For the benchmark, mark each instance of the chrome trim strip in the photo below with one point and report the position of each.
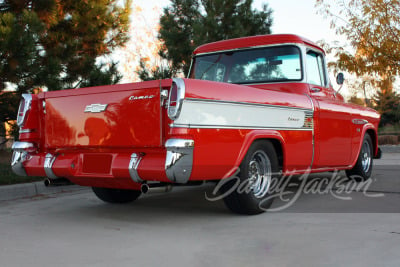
(163, 104)
(202, 126)
(313, 132)
(173, 112)
(315, 90)
(27, 106)
(163, 97)
(133, 167)
(272, 82)
(299, 45)
(48, 165)
(179, 159)
(179, 143)
(244, 103)
(359, 121)
(190, 67)
(44, 106)
(25, 131)
(20, 146)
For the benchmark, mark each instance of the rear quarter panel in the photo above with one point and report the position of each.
(220, 144)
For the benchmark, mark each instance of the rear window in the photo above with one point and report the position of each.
(262, 65)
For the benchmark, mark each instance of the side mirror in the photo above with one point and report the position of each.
(340, 78)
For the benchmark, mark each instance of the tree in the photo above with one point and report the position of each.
(373, 29)
(8, 102)
(355, 100)
(387, 103)
(55, 44)
(186, 24)
(161, 71)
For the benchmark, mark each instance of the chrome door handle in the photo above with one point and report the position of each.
(315, 90)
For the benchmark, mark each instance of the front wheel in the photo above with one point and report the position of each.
(363, 168)
(113, 195)
(258, 168)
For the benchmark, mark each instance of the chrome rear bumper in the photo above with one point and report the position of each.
(20, 155)
(178, 163)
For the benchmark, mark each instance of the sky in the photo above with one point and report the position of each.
(289, 16)
(299, 17)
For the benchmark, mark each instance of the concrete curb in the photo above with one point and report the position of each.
(17, 191)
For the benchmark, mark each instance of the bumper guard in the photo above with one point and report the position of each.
(19, 156)
(179, 160)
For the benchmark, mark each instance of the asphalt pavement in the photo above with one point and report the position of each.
(342, 226)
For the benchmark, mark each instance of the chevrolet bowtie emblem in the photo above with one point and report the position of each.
(96, 108)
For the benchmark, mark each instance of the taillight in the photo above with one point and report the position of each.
(24, 107)
(173, 95)
(176, 96)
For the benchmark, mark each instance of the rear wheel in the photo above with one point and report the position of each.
(113, 195)
(259, 167)
(363, 168)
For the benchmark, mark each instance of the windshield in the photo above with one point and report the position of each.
(261, 65)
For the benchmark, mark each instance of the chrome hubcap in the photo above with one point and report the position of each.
(366, 156)
(260, 174)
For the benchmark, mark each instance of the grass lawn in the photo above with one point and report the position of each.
(7, 176)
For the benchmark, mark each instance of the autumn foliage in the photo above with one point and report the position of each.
(372, 28)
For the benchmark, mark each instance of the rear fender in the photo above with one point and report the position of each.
(250, 138)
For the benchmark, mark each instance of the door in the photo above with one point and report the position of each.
(332, 119)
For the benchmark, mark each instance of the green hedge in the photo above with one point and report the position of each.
(8, 177)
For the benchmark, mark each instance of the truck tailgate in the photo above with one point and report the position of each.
(124, 116)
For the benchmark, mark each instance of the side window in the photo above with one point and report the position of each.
(315, 69)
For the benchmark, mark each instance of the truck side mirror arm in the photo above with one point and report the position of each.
(339, 81)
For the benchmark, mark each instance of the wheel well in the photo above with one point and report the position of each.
(278, 149)
(374, 138)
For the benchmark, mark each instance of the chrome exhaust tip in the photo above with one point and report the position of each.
(47, 182)
(56, 182)
(155, 188)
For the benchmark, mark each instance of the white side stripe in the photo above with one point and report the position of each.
(214, 114)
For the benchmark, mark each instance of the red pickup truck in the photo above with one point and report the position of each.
(259, 107)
